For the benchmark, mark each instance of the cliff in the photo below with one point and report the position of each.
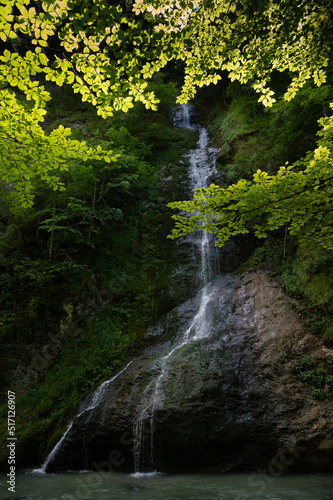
(230, 402)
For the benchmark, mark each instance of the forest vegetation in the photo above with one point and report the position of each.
(87, 94)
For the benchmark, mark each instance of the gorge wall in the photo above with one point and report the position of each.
(232, 402)
(217, 389)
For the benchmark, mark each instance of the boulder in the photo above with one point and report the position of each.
(230, 401)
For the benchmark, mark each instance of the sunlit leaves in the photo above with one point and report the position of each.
(246, 39)
(27, 154)
(107, 53)
(96, 38)
(298, 197)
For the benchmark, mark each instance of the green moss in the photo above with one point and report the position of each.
(328, 334)
(314, 269)
(319, 394)
(318, 375)
(249, 265)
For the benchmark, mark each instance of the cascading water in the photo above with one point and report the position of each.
(202, 166)
(199, 325)
(89, 404)
(203, 393)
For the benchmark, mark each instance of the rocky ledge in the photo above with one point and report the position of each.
(229, 402)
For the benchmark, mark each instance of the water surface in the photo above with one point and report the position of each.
(154, 486)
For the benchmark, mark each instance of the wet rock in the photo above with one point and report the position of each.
(230, 402)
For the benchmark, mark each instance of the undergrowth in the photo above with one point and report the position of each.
(100, 247)
(318, 375)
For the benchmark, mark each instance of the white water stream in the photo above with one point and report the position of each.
(202, 165)
(89, 404)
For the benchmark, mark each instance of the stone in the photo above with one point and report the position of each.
(230, 402)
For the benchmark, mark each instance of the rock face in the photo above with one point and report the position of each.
(230, 402)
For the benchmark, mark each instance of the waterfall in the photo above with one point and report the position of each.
(202, 166)
(91, 402)
(197, 327)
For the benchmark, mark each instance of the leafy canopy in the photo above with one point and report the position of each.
(299, 196)
(108, 52)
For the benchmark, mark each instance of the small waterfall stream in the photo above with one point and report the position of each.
(88, 404)
(202, 166)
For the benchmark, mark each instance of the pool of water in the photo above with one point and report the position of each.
(156, 486)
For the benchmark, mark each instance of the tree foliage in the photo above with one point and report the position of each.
(298, 197)
(27, 153)
(108, 52)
